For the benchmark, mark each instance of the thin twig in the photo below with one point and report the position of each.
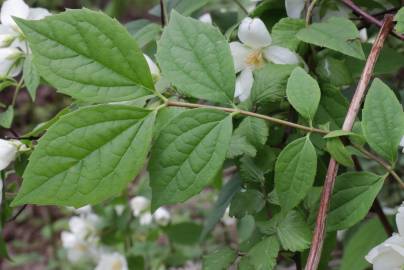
(163, 13)
(247, 113)
(367, 17)
(319, 233)
(310, 11)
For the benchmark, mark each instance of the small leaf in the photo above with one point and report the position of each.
(262, 256)
(334, 71)
(246, 202)
(303, 93)
(399, 18)
(89, 155)
(284, 33)
(353, 195)
(6, 117)
(270, 83)
(339, 152)
(219, 259)
(196, 58)
(30, 76)
(188, 154)
(383, 120)
(144, 31)
(339, 34)
(89, 56)
(340, 133)
(223, 201)
(184, 233)
(295, 171)
(367, 236)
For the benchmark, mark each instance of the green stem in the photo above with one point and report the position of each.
(240, 5)
(310, 11)
(17, 90)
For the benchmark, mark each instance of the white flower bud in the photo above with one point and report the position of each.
(145, 219)
(8, 152)
(8, 62)
(112, 261)
(139, 204)
(162, 216)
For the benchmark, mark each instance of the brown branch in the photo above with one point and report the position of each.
(319, 232)
(368, 17)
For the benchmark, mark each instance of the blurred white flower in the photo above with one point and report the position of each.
(363, 35)
(85, 210)
(154, 70)
(112, 261)
(139, 204)
(146, 219)
(402, 143)
(77, 248)
(206, 18)
(85, 227)
(119, 209)
(227, 219)
(294, 8)
(9, 150)
(162, 216)
(9, 62)
(1, 190)
(389, 255)
(253, 51)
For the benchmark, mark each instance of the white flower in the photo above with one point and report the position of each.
(85, 227)
(119, 208)
(389, 255)
(227, 219)
(85, 210)
(363, 35)
(9, 58)
(1, 190)
(154, 70)
(206, 18)
(253, 52)
(145, 219)
(162, 216)
(112, 261)
(294, 8)
(8, 151)
(77, 248)
(139, 204)
(402, 143)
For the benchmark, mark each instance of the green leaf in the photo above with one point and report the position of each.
(339, 152)
(334, 71)
(353, 195)
(184, 7)
(144, 31)
(270, 83)
(246, 202)
(249, 170)
(239, 146)
(262, 256)
(89, 56)
(340, 133)
(399, 18)
(303, 93)
(293, 232)
(333, 107)
(284, 33)
(188, 154)
(339, 34)
(89, 155)
(383, 120)
(295, 171)
(184, 233)
(370, 234)
(30, 76)
(196, 58)
(6, 117)
(219, 259)
(219, 208)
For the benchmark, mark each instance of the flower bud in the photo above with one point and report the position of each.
(162, 216)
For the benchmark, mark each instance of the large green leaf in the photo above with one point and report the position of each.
(383, 120)
(262, 256)
(89, 56)
(87, 156)
(295, 171)
(188, 154)
(196, 58)
(353, 195)
(339, 34)
(284, 33)
(369, 235)
(270, 83)
(303, 93)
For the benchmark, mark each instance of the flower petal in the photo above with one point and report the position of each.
(294, 8)
(400, 220)
(239, 53)
(206, 18)
(8, 65)
(280, 55)
(244, 84)
(13, 8)
(38, 13)
(254, 33)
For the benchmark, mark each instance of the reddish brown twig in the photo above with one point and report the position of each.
(319, 232)
(368, 17)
